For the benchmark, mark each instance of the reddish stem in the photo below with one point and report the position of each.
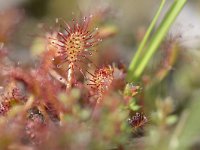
(70, 77)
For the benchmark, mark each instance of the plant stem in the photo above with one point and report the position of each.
(138, 53)
(157, 38)
(70, 77)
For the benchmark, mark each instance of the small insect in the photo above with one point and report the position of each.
(138, 120)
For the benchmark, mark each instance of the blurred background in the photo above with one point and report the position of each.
(21, 20)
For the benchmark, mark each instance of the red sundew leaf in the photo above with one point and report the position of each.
(100, 82)
(20, 74)
(75, 42)
(10, 97)
(73, 46)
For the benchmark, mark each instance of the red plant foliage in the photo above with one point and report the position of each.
(74, 45)
(101, 81)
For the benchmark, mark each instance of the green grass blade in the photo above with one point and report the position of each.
(157, 38)
(138, 53)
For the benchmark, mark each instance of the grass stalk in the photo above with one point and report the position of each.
(157, 39)
(138, 53)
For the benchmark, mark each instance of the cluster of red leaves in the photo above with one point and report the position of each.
(101, 81)
(44, 113)
(9, 98)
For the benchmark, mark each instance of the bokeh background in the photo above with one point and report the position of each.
(130, 18)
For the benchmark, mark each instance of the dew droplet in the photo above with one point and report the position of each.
(84, 19)
(56, 20)
(58, 66)
(1, 45)
(99, 40)
(89, 65)
(91, 16)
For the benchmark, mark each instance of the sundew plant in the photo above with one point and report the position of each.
(67, 80)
